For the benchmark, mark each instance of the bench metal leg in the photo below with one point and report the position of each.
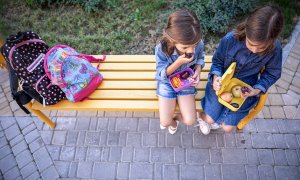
(253, 112)
(41, 115)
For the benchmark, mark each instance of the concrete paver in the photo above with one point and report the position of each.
(297, 116)
(277, 112)
(275, 99)
(264, 149)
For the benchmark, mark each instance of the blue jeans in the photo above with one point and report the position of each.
(165, 90)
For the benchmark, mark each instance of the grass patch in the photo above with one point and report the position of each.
(110, 31)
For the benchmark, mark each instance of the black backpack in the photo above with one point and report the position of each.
(24, 54)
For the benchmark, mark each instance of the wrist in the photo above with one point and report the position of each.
(197, 68)
(179, 62)
(257, 92)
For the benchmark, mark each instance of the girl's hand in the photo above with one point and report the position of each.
(252, 92)
(196, 75)
(183, 60)
(217, 83)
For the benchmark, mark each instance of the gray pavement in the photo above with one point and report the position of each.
(130, 145)
(135, 148)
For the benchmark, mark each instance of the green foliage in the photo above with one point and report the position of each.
(216, 15)
(88, 5)
(136, 15)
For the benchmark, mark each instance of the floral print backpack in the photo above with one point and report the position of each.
(72, 72)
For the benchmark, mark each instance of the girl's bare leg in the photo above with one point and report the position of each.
(228, 128)
(187, 107)
(166, 111)
(206, 118)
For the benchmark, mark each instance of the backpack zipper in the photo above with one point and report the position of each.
(36, 88)
(36, 62)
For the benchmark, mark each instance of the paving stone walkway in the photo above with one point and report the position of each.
(135, 148)
(126, 145)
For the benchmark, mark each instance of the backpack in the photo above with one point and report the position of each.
(24, 54)
(72, 72)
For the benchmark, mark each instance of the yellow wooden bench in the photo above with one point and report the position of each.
(129, 85)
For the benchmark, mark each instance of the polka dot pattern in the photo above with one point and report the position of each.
(35, 82)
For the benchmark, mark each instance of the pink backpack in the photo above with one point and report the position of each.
(72, 72)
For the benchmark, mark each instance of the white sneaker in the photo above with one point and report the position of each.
(215, 126)
(173, 130)
(162, 127)
(204, 127)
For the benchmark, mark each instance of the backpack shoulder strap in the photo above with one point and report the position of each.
(91, 58)
(19, 96)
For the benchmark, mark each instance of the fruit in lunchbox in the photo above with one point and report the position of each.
(245, 89)
(189, 55)
(235, 105)
(226, 96)
(236, 91)
(176, 82)
(185, 75)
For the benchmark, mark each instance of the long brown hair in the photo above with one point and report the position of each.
(263, 25)
(183, 27)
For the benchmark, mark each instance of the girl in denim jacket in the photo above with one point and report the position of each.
(252, 45)
(182, 35)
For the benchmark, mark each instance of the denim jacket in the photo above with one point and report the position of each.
(163, 61)
(248, 64)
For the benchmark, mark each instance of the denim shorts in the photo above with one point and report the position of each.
(220, 113)
(165, 90)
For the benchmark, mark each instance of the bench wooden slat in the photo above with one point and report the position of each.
(135, 67)
(130, 95)
(107, 105)
(136, 58)
(129, 85)
(128, 58)
(123, 75)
